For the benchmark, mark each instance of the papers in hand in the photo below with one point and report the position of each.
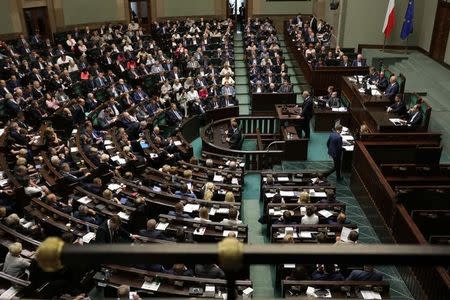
(84, 200)
(397, 121)
(370, 295)
(88, 237)
(200, 231)
(345, 232)
(191, 207)
(325, 213)
(151, 286)
(161, 226)
(123, 215)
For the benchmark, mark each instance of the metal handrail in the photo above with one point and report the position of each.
(274, 143)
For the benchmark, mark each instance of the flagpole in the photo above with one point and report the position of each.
(384, 43)
(406, 49)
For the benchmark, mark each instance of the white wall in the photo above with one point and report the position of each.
(426, 13)
(263, 7)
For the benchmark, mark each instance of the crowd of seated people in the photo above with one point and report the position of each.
(204, 55)
(268, 72)
(75, 161)
(313, 42)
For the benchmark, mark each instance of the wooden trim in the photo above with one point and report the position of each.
(91, 25)
(208, 17)
(402, 47)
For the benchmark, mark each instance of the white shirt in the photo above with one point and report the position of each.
(314, 219)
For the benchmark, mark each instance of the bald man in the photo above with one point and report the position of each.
(151, 231)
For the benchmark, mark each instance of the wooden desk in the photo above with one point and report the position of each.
(295, 147)
(262, 103)
(288, 114)
(297, 288)
(325, 119)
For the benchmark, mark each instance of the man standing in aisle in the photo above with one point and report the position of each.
(307, 113)
(334, 145)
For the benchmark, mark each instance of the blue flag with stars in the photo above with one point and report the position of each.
(407, 27)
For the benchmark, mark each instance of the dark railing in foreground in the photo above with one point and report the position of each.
(231, 255)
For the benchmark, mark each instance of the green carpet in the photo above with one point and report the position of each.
(249, 145)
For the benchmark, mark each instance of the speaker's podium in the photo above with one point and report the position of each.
(295, 147)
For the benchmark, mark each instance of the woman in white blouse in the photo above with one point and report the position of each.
(310, 218)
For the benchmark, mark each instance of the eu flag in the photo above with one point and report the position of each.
(407, 27)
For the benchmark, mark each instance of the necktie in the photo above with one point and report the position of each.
(177, 114)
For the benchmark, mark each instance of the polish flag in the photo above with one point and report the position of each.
(389, 20)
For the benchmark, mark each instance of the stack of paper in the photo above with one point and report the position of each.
(325, 213)
(88, 237)
(283, 178)
(218, 178)
(84, 200)
(123, 215)
(191, 207)
(151, 286)
(210, 290)
(287, 193)
(370, 295)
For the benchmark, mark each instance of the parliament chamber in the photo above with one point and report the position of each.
(214, 149)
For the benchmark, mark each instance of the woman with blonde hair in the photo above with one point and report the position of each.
(15, 265)
(203, 215)
(229, 197)
(208, 195)
(303, 198)
(107, 194)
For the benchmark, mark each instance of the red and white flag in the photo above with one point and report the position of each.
(389, 20)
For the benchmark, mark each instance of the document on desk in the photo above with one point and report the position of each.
(212, 211)
(223, 210)
(84, 200)
(113, 186)
(289, 266)
(283, 178)
(73, 149)
(107, 142)
(88, 237)
(151, 286)
(123, 215)
(347, 137)
(270, 195)
(318, 194)
(162, 226)
(218, 178)
(345, 232)
(287, 193)
(191, 207)
(108, 147)
(177, 143)
(370, 295)
(325, 213)
(200, 231)
(306, 234)
(235, 181)
(349, 148)
(273, 212)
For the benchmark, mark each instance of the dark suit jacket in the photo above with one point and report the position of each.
(153, 234)
(235, 139)
(415, 120)
(103, 235)
(307, 108)
(382, 83)
(355, 63)
(334, 145)
(365, 276)
(391, 91)
(399, 108)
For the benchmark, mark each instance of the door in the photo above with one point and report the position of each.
(140, 11)
(440, 31)
(36, 19)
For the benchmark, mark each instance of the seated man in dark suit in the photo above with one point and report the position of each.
(174, 115)
(392, 88)
(367, 274)
(151, 231)
(327, 272)
(86, 214)
(111, 231)
(209, 271)
(235, 136)
(398, 107)
(414, 116)
(359, 62)
(73, 176)
(179, 211)
(381, 82)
